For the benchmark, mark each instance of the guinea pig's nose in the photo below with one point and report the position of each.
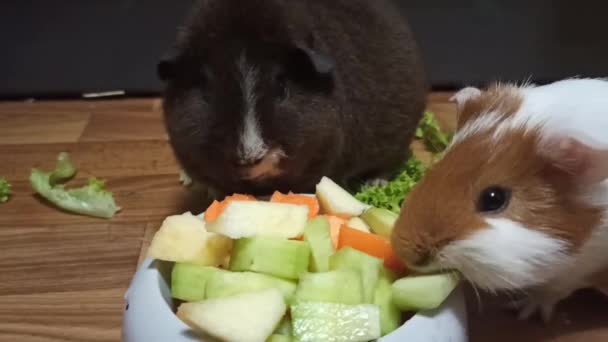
(249, 162)
(422, 259)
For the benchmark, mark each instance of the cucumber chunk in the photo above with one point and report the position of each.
(380, 220)
(423, 292)
(331, 322)
(390, 315)
(368, 267)
(340, 286)
(273, 256)
(225, 284)
(279, 338)
(189, 281)
(318, 237)
(284, 327)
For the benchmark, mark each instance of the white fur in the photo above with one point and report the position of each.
(576, 108)
(506, 256)
(252, 146)
(574, 276)
(482, 124)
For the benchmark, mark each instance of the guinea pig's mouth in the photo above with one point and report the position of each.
(265, 168)
(431, 267)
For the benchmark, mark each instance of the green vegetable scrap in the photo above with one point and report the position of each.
(92, 199)
(5, 190)
(392, 194)
(429, 131)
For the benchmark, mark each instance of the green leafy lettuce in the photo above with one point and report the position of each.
(5, 190)
(392, 194)
(92, 199)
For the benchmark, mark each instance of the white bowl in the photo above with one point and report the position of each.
(149, 315)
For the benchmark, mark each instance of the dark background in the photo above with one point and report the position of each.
(63, 48)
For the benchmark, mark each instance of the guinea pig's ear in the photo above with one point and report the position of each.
(322, 63)
(465, 94)
(310, 68)
(306, 62)
(461, 98)
(588, 165)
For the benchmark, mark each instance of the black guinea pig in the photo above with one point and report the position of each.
(265, 95)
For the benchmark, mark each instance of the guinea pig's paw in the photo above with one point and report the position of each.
(542, 301)
(545, 306)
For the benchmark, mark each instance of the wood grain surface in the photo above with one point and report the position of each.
(63, 276)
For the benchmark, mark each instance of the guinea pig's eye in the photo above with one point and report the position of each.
(493, 199)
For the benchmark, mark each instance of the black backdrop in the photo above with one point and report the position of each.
(69, 47)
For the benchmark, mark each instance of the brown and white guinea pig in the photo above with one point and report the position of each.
(265, 95)
(519, 201)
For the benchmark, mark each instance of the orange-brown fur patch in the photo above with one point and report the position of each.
(442, 207)
(501, 99)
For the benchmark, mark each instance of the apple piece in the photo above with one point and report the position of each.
(225, 284)
(243, 219)
(341, 286)
(359, 224)
(318, 236)
(423, 292)
(380, 221)
(189, 281)
(183, 238)
(248, 317)
(273, 256)
(334, 200)
(318, 321)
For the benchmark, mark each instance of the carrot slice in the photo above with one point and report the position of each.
(213, 211)
(371, 244)
(216, 208)
(240, 197)
(392, 262)
(291, 198)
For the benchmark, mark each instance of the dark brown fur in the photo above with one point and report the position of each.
(357, 123)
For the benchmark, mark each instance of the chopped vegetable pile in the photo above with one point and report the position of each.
(92, 199)
(295, 268)
(391, 195)
(5, 190)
